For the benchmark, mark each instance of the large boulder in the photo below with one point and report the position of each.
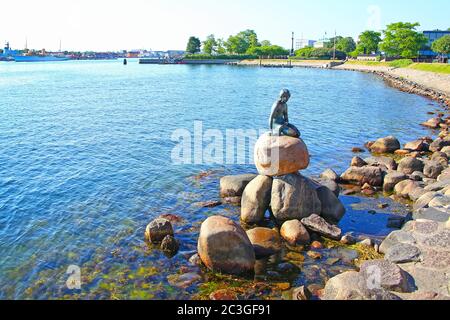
(294, 197)
(392, 179)
(277, 156)
(391, 277)
(360, 176)
(256, 199)
(332, 208)
(295, 233)
(223, 246)
(333, 186)
(387, 162)
(351, 285)
(158, 229)
(405, 188)
(432, 123)
(318, 224)
(234, 186)
(265, 241)
(385, 145)
(409, 165)
(433, 169)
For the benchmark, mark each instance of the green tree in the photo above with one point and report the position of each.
(242, 42)
(442, 45)
(268, 51)
(346, 45)
(265, 43)
(193, 45)
(210, 45)
(368, 42)
(330, 43)
(221, 46)
(402, 40)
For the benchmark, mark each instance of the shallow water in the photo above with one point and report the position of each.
(85, 162)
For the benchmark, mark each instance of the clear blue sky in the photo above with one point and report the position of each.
(162, 24)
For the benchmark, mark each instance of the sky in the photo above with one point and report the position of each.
(111, 25)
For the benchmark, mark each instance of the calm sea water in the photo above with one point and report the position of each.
(85, 159)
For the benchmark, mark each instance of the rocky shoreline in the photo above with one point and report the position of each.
(403, 84)
(411, 263)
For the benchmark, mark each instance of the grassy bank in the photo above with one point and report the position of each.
(405, 63)
(432, 67)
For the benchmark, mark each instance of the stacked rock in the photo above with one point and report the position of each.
(299, 205)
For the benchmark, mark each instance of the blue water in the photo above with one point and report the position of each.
(85, 152)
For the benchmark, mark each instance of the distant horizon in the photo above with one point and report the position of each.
(111, 26)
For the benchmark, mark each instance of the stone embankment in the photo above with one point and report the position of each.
(428, 84)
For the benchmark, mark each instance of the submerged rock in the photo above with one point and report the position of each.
(294, 233)
(170, 245)
(233, 186)
(223, 246)
(158, 229)
(265, 241)
(318, 224)
(256, 199)
(294, 197)
(385, 145)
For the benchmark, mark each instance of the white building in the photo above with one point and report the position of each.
(320, 44)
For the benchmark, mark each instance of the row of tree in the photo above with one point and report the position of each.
(399, 39)
(245, 42)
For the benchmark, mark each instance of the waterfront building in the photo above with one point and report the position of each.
(432, 36)
(303, 43)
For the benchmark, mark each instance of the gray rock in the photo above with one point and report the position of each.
(437, 186)
(351, 286)
(433, 169)
(385, 145)
(392, 278)
(416, 193)
(265, 241)
(440, 202)
(439, 144)
(424, 200)
(256, 199)
(360, 176)
(417, 176)
(333, 186)
(403, 253)
(392, 179)
(395, 222)
(330, 174)
(224, 246)
(431, 214)
(195, 260)
(332, 208)
(233, 186)
(158, 229)
(318, 224)
(409, 165)
(294, 197)
(394, 238)
(389, 163)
